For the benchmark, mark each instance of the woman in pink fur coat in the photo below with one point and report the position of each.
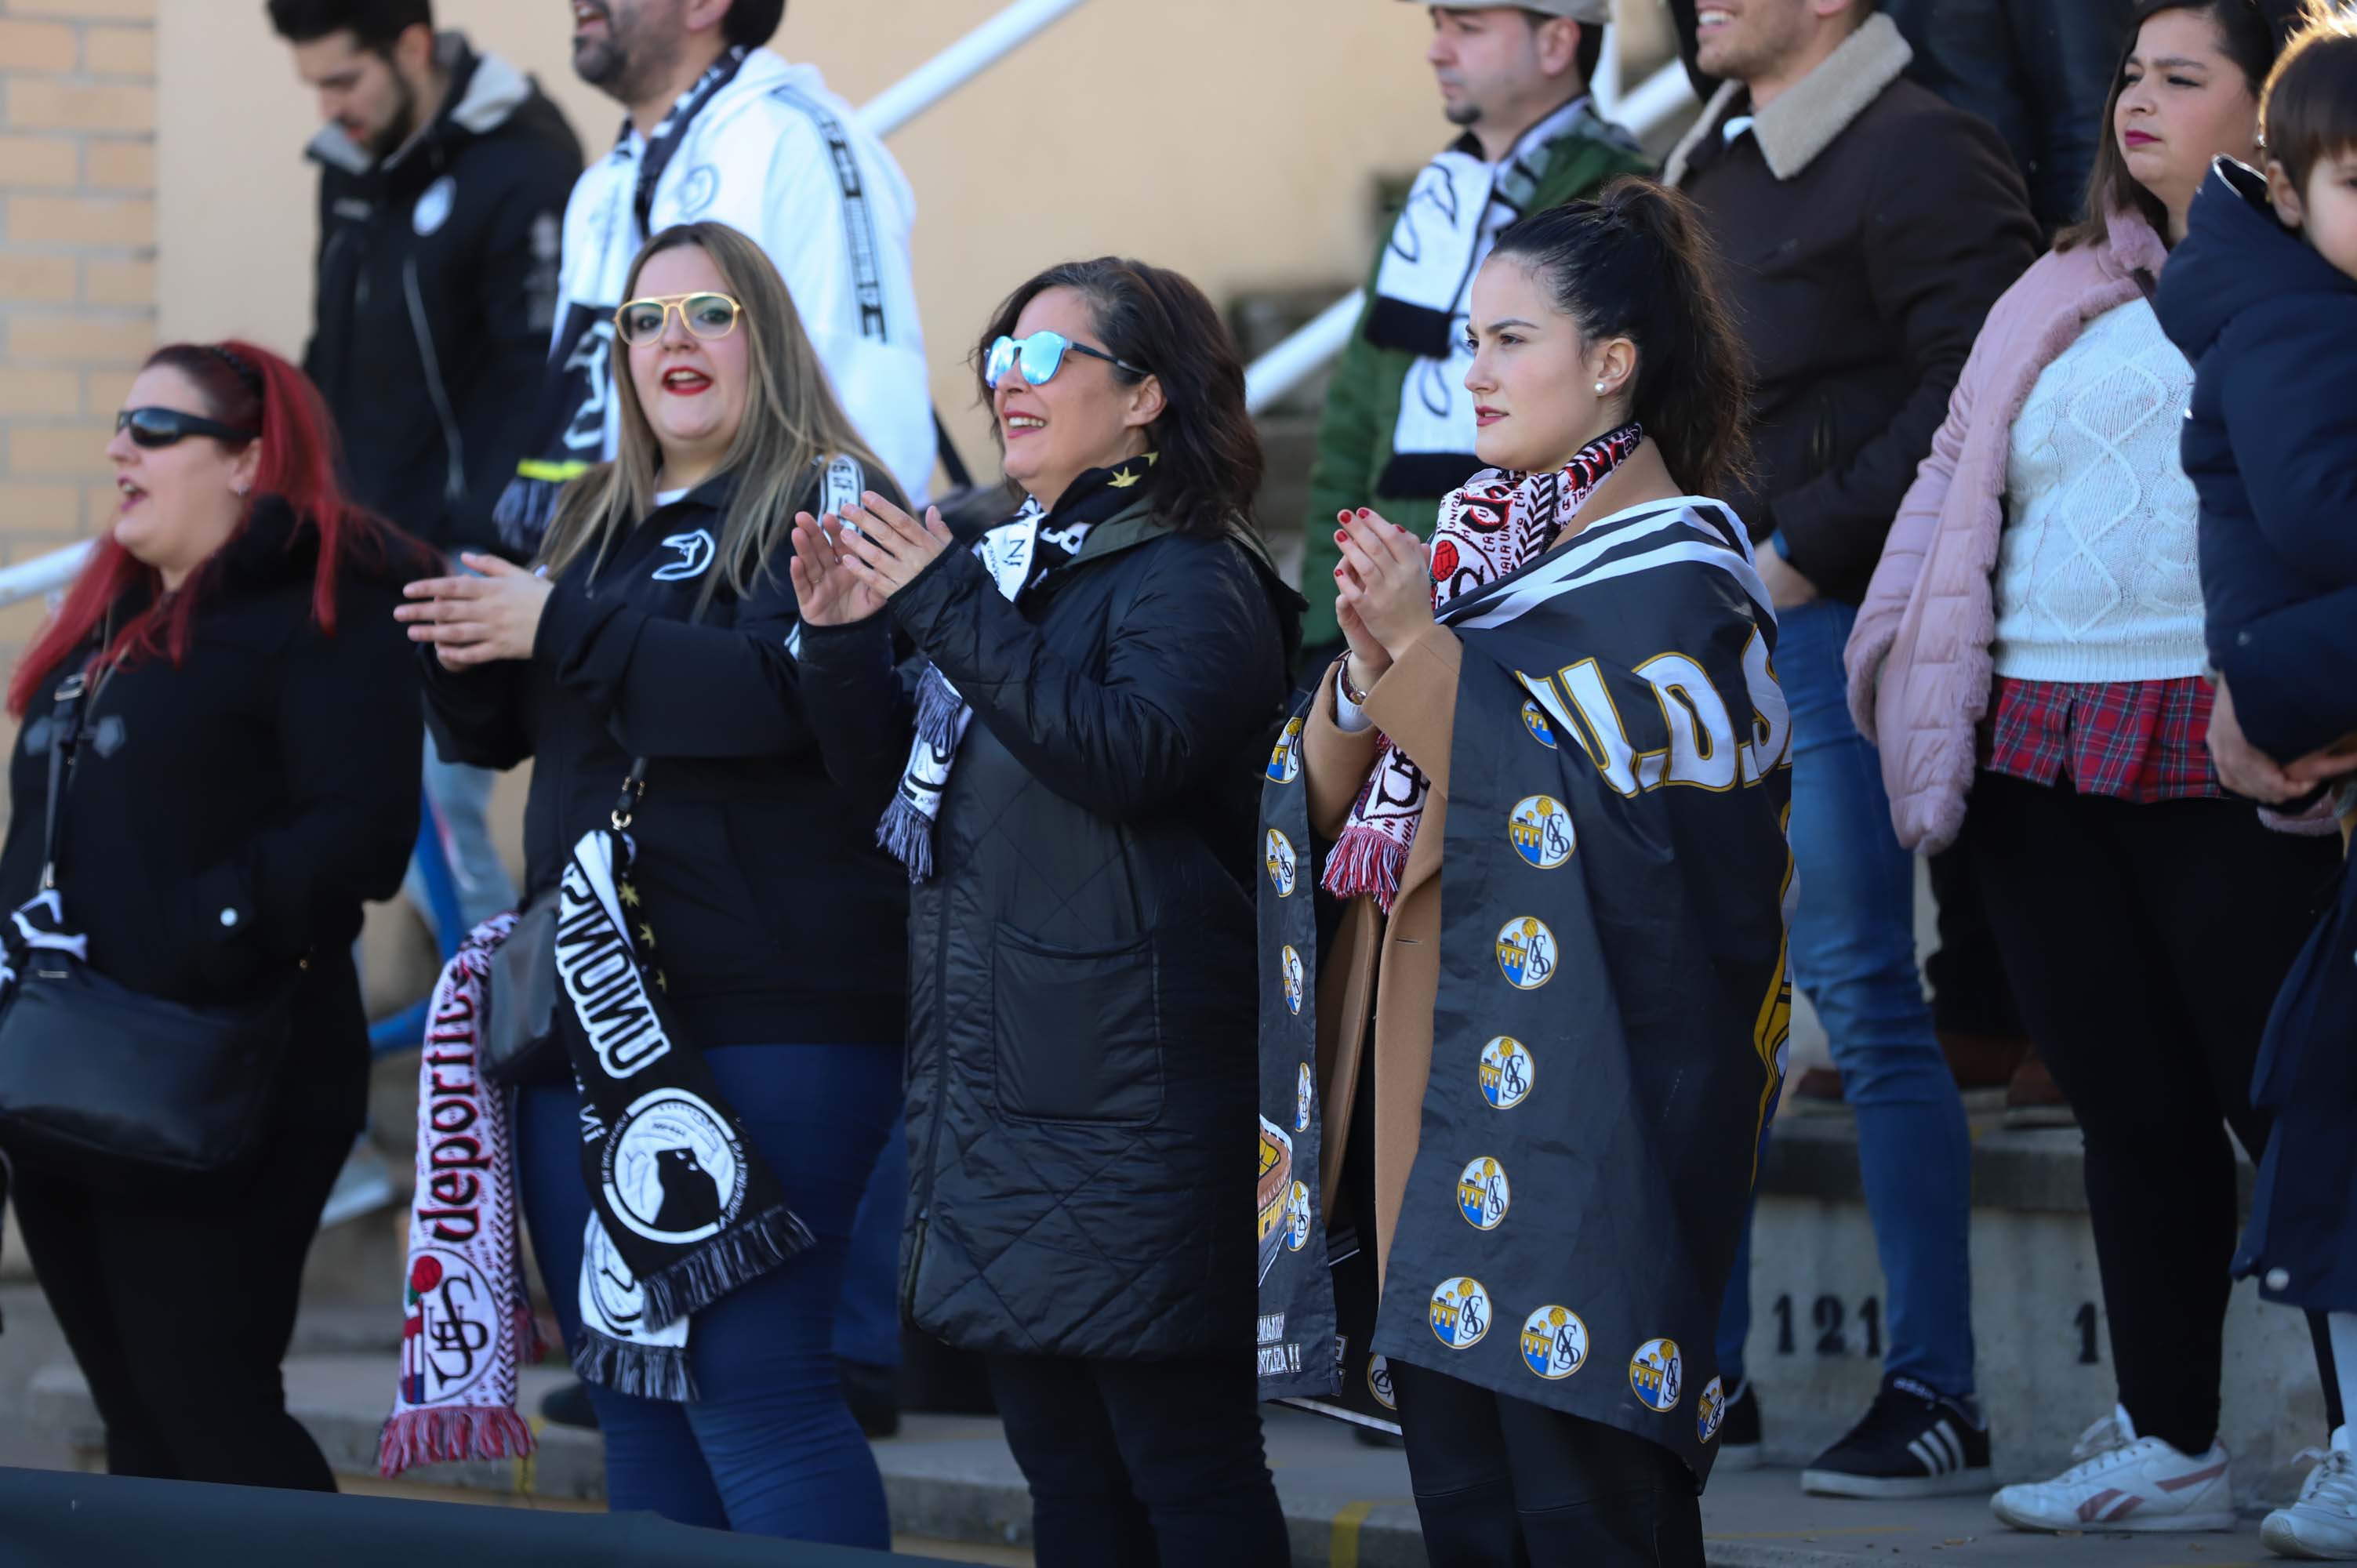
(2033, 637)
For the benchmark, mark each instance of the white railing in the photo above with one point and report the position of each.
(1657, 101)
(887, 112)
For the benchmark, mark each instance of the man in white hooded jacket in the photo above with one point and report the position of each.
(720, 130)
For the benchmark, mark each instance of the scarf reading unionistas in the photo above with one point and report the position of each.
(1019, 555)
(1497, 524)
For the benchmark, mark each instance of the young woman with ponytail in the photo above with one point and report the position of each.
(246, 781)
(1568, 1064)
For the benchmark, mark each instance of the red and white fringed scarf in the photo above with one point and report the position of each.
(1497, 524)
(466, 1323)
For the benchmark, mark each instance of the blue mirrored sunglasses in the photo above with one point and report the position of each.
(1041, 355)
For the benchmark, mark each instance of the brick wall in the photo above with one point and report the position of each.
(77, 261)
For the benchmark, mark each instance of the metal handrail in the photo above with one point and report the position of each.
(1649, 109)
(887, 112)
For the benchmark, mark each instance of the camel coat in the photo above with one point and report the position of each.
(1386, 969)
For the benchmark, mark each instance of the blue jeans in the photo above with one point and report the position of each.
(867, 1325)
(770, 1449)
(462, 801)
(1854, 957)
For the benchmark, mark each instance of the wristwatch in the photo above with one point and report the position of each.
(1342, 681)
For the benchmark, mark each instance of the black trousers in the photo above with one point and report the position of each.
(2146, 944)
(180, 1312)
(1142, 1463)
(1503, 1483)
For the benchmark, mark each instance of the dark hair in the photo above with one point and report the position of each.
(1590, 52)
(2309, 107)
(1209, 465)
(752, 23)
(1635, 263)
(2249, 35)
(375, 25)
(247, 388)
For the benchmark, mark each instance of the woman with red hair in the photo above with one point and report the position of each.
(242, 777)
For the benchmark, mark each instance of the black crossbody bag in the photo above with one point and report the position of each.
(116, 1086)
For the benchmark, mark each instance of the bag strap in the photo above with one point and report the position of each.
(65, 735)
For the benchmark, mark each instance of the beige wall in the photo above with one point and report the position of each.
(1236, 140)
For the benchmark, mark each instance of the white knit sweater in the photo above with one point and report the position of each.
(2097, 579)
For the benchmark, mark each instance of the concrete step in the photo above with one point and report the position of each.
(950, 1480)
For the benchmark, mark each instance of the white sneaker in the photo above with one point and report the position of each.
(2323, 1524)
(2124, 1482)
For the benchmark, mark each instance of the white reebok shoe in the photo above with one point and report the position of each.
(2122, 1481)
(2321, 1526)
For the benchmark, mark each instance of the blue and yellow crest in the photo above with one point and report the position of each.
(1710, 1411)
(1284, 762)
(1526, 952)
(1276, 854)
(1460, 1313)
(1304, 1089)
(1290, 962)
(1541, 831)
(1657, 1375)
(1296, 1216)
(1483, 1195)
(1554, 1343)
(1506, 1072)
(1534, 720)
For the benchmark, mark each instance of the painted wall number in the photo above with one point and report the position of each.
(1830, 1317)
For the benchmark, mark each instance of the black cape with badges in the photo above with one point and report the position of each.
(1613, 1010)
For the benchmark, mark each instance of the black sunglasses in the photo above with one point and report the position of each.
(154, 427)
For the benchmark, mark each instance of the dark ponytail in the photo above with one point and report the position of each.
(1635, 263)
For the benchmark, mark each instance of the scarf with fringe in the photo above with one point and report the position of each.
(1019, 555)
(1496, 524)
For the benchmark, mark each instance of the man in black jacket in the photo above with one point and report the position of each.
(443, 181)
(1865, 227)
(2038, 70)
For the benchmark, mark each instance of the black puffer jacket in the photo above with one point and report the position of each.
(1081, 1017)
(231, 813)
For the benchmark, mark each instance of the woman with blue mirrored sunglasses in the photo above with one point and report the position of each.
(1041, 355)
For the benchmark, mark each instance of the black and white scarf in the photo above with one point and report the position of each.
(683, 1207)
(1019, 555)
(1453, 215)
(1490, 529)
(569, 433)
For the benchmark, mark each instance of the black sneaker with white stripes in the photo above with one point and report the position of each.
(1913, 1442)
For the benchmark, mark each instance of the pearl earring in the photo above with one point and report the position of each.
(1600, 389)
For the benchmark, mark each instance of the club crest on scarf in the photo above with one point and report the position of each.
(1493, 527)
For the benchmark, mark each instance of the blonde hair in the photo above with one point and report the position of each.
(792, 424)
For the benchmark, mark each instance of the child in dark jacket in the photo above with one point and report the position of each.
(2262, 295)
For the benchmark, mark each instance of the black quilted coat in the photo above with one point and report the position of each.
(1081, 971)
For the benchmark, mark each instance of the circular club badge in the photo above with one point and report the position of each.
(1554, 1343)
(1277, 856)
(450, 1323)
(1710, 1410)
(1304, 1088)
(1506, 1072)
(1541, 831)
(673, 1170)
(1297, 1218)
(1379, 1383)
(1483, 1194)
(1534, 720)
(1284, 762)
(1526, 952)
(1460, 1313)
(1290, 962)
(1657, 1375)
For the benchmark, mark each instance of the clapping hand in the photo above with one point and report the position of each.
(826, 590)
(1383, 589)
(477, 621)
(885, 548)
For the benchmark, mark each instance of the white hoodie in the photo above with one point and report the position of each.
(777, 155)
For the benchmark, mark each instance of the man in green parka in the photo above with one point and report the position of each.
(1397, 433)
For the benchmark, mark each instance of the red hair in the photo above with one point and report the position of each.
(248, 387)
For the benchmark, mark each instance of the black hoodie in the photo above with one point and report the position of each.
(2271, 445)
(438, 274)
(777, 919)
(232, 812)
